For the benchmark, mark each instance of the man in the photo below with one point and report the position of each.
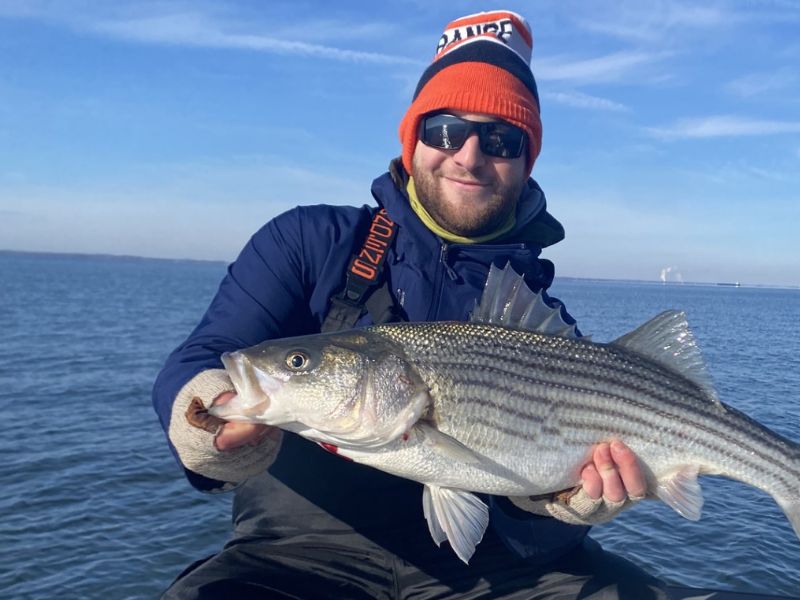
(311, 525)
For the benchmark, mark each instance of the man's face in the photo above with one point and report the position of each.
(465, 191)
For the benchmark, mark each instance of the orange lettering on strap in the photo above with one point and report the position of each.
(376, 244)
(362, 269)
(372, 252)
(381, 217)
(381, 230)
(373, 258)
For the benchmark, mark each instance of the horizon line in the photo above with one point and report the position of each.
(87, 255)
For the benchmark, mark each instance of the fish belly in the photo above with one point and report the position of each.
(444, 461)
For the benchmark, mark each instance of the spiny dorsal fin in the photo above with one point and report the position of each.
(507, 300)
(668, 340)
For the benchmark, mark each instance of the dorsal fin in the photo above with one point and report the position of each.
(668, 340)
(507, 300)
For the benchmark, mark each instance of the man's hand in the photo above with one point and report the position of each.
(614, 474)
(235, 435)
(612, 481)
(223, 451)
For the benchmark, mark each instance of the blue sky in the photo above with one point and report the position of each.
(176, 128)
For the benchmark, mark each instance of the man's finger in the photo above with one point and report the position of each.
(223, 398)
(613, 490)
(629, 469)
(234, 435)
(592, 483)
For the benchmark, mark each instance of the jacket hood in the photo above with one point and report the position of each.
(534, 224)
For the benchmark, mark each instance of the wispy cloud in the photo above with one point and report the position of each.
(252, 179)
(202, 25)
(196, 30)
(166, 210)
(781, 12)
(769, 174)
(671, 22)
(756, 84)
(580, 100)
(652, 22)
(744, 173)
(610, 67)
(723, 126)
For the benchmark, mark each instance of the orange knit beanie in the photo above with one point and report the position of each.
(482, 65)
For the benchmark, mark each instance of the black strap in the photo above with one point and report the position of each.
(382, 307)
(364, 286)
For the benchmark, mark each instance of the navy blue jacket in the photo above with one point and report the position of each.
(281, 285)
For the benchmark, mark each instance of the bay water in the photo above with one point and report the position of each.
(94, 506)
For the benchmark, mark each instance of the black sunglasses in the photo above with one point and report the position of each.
(448, 132)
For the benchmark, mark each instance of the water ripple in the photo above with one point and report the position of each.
(93, 501)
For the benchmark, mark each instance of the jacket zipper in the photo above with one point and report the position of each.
(443, 268)
(437, 282)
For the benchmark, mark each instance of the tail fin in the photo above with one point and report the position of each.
(791, 505)
(792, 510)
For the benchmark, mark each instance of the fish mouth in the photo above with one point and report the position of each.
(234, 365)
(251, 399)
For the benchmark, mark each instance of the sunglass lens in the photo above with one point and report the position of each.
(501, 140)
(445, 131)
(449, 132)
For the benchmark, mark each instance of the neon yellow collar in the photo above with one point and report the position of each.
(425, 217)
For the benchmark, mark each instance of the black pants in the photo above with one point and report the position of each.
(316, 526)
(311, 569)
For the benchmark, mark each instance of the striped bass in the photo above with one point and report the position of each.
(510, 403)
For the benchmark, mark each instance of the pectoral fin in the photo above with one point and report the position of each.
(457, 516)
(447, 445)
(682, 492)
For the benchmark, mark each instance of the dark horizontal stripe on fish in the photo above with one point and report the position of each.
(715, 442)
(503, 428)
(702, 414)
(563, 360)
(689, 397)
(716, 435)
(722, 442)
(549, 376)
(727, 435)
(528, 389)
(630, 368)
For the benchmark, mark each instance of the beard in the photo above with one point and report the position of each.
(461, 214)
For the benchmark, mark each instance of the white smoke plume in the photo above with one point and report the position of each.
(671, 274)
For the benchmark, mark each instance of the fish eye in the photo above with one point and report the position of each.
(297, 360)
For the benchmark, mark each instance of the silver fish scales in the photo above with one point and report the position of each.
(488, 407)
(497, 388)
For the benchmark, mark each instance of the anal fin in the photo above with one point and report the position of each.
(682, 492)
(456, 516)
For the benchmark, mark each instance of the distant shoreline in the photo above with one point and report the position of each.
(755, 286)
(121, 257)
(133, 258)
